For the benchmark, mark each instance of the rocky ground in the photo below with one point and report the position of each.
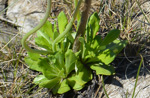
(17, 17)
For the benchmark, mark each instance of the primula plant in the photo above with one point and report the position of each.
(63, 69)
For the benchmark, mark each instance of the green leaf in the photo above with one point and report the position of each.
(111, 50)
(56, 84)
(50, 68)
(61, 88)
(70, 37)
(107, 56)
(60, 60)
(42, 81)
(70, 60)
(103, 69)
(111, 36)
(117, 45)
(94, 24)
(55, 31)
(34, 65)
(97, 41)
(45, 36)
(78, 80)
(62, 21)
(47, 29)
(85, 48)
(60, 57)
(92, 60)
(81, 39)
(43, 40)
(33, 60)
(34, 56)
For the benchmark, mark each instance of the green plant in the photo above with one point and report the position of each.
(61, 67)
(137, 77)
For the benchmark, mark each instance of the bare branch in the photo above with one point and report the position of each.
(81, 29)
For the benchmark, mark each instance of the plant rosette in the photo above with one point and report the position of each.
(98, 53)
(64, 70)
(59, 71)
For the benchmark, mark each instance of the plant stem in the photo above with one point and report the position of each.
(137, 76)
(142, 11)
(68, 27)
(104, 87)
(67, 2)
(81, 30)
(24, 44)
(78, 15)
